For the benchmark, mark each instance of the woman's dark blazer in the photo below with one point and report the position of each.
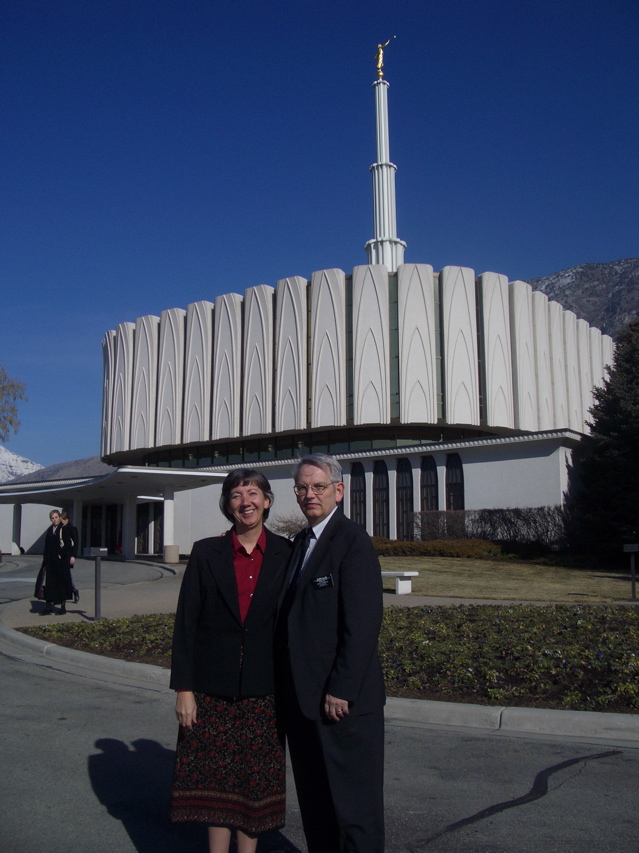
(212, 651)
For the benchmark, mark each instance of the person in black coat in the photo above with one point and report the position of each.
(54, 578)
(329, 681)
(230, 770)
(74, 536)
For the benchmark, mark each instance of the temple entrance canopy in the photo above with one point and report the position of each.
(103, 500)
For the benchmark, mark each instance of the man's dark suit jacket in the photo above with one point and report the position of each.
(212, 651)
(334, 622)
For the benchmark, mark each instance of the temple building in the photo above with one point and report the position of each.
(435, 390)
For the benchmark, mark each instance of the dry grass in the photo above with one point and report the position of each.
(449, 577)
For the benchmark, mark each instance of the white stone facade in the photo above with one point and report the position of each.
(495, 470)
(450, 350)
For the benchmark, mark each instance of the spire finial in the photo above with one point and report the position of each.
(379, 57)
(385, 248)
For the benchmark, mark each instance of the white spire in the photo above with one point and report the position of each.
(385, 248)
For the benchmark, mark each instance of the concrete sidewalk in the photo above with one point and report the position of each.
(157, 596)
(160, 596)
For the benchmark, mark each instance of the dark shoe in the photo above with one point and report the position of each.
(76, 596)
(62, 611)
(48, 610)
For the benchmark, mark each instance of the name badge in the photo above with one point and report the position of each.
(322, 583)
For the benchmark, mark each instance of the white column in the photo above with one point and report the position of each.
(16, 537)
(368, 473)
(171, 550)
(391, 465)
(347, 491)
(441, 480)
(128, 527)
(416, 467)
(385, 248)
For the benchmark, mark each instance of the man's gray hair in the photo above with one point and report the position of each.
(324, 461)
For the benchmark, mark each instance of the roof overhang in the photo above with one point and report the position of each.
(113, 487)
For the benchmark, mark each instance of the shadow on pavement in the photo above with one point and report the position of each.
(134, 786)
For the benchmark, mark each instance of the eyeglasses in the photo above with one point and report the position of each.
(316, 488)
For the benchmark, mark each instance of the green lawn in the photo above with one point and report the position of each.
(452, 577)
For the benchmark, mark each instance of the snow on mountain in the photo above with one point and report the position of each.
(606, 295)
(12, 465)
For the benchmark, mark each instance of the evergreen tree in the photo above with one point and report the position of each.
(603, 498)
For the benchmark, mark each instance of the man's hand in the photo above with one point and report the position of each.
(335, 709)
(186, 709)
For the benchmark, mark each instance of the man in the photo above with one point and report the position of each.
(329, 680)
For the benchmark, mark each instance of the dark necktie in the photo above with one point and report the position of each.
(281, 631)
(299, 562)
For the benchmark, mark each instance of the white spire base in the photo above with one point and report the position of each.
(389, 252)
(385, 248)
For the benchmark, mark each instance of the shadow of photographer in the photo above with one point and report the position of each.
(134, 784)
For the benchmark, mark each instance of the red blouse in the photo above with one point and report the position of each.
(247, 569)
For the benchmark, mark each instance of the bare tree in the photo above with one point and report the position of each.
(11, 390)
(287, 525)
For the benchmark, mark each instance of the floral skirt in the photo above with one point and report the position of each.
(230, 768)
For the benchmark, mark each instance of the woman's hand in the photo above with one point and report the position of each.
(186, 709)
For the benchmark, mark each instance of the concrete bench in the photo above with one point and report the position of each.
(403, 581)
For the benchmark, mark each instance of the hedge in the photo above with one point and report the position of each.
(474, 549)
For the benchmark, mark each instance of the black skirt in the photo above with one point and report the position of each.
(230, 767)
(56, 577)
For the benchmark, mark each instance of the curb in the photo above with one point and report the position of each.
(155, 675)
(534, 721)
(537, 721)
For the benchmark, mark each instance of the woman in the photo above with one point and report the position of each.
(229, 767)
(54, 578)
(74, 537)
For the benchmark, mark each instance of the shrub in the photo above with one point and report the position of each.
(475, 549)
(559, 656)
(553, 656)
(541, 526)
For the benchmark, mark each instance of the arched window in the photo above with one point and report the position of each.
(380, 499)
(358, 494)
(454, 482)
(428, 485)
(404, 489)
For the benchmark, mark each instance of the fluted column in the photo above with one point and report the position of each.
(385, 248)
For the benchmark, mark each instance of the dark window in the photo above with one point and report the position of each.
(143, 521)
(158, 527)
(95, 540)
(380, 499)
(84, 534)
(113, 525)
(454, 482)
(428, 486)
(404, 488)
(358, 494)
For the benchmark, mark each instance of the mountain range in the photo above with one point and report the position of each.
(606, 295)
(12, 465)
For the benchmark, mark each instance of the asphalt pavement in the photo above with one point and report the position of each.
(87, 750)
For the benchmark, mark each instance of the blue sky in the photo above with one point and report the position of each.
(158, 152)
